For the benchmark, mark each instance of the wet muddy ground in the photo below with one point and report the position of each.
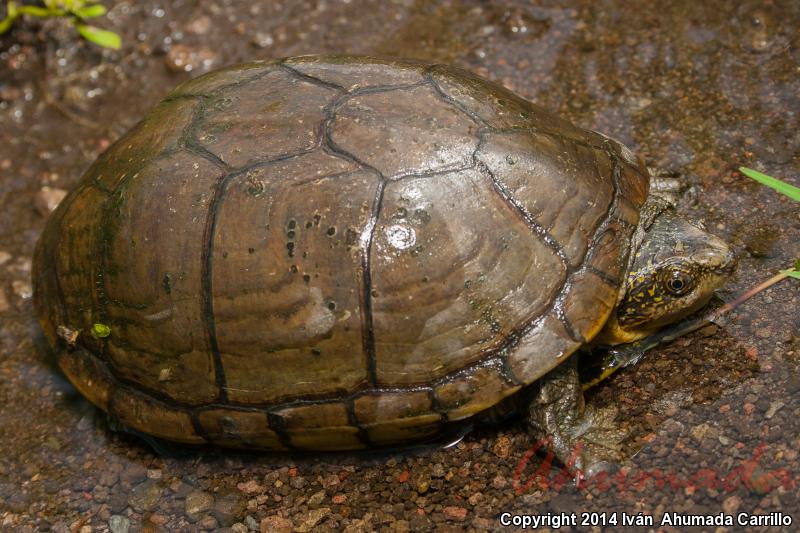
(696, 88)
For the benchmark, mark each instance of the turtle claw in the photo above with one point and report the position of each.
(597, 439)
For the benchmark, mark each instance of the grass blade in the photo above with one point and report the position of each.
(784, 188)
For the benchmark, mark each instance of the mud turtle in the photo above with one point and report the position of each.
(329, 253)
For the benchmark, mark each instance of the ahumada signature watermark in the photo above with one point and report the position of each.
(553, 477)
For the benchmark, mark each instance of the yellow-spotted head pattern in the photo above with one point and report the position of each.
(674, 271)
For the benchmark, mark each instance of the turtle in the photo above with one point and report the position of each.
(327, 253)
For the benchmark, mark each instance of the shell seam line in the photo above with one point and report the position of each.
(276, 423)
(363, 434)
(207, 287)
(508, 198)
(368, 331)
(368, 234)
(452, 101)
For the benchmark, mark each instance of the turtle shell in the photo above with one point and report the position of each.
(333, 253)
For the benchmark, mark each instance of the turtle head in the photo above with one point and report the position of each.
(674, 270)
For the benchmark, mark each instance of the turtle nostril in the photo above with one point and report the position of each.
(729, 262)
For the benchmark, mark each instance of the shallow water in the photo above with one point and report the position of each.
(697, 89)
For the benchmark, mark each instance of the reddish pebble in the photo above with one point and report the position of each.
(458, 514)
(749, 408)
(339, 499)
(250, 487)
(158, 519)
(403, 477)
(752, 353)
(724, 408)
(293, 472)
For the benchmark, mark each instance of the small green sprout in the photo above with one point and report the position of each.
(100, 331)
(76, 11)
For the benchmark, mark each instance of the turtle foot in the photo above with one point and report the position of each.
(596, 439)
(585, 439)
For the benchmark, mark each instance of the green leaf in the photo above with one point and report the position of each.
(792, 273)
(784, 188)
(41, 12)
(105, 38)
(5, 24)
(90, 12)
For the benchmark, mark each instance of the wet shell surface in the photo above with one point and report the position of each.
(331, 253)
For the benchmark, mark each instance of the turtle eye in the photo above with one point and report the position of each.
(679, 282)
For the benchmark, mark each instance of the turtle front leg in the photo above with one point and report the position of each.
(586, 438)
(668, 186)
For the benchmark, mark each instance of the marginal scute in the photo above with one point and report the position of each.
(541, 349)
(72, 269)
(634, 183)
(238, 429)
(88, 374)
(390, 417)
(352, 75)
(143, 413)
(387, 131)
(263, 119)
(287, 294)
(501, 109)
(473, 391)
(606, 256)
(588, 303)
(161, 130)
(152, 278)
(452, 280)
(320, 426)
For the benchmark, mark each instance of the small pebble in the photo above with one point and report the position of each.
(197, 504)
(773, 408)
(502, 447)
(311, 518)
(229, 506)
(458, 514)
(316, 499)
(118, 524)
(251, 523)
(275, 524)
(47, 199)
(200, 25)
(250, 487)
(22, 289)
(184, 58)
